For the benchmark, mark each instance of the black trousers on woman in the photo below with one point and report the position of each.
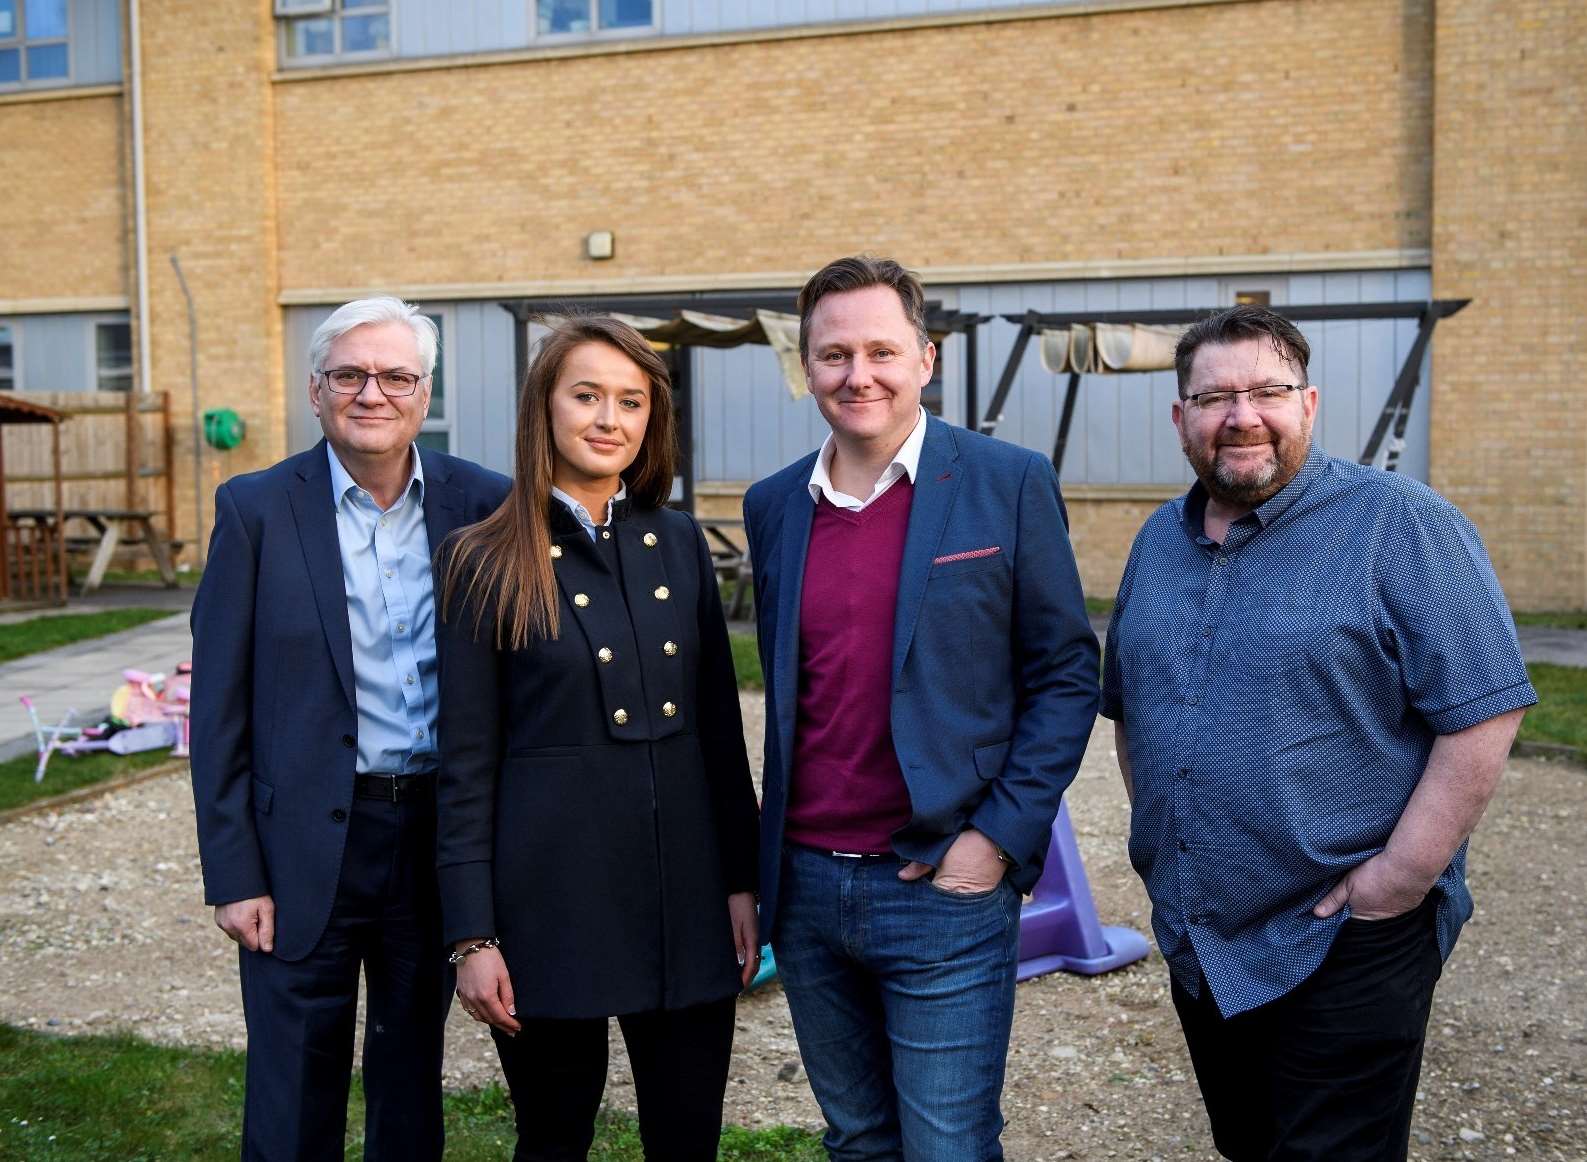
(556, 1072)
(1326, 1073)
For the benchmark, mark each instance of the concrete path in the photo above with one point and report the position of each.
(1563, 647)
(84, 675)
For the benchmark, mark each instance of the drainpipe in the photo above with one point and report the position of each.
(140, 205)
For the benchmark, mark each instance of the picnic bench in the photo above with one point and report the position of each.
(731, 561)
(108, 525)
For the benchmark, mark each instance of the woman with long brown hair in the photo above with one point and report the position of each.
(597, 823)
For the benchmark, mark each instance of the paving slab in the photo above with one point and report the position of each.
(83, 676)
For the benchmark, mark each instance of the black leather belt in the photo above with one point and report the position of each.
(392, 788)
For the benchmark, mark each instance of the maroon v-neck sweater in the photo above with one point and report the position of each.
(847, 792)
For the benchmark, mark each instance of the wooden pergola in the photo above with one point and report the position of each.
(32, 552)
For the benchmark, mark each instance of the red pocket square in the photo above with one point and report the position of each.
(970, 556)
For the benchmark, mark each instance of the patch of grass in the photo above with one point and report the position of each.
(50, 631)
(746, 661)
(1560, 619)
(1560, 715)
(185, 579)
(97, 1099)
(1099, 606)
(67, 774)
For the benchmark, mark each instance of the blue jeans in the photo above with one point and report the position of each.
(902, 995)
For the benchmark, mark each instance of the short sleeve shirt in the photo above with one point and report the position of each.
(1280, 694)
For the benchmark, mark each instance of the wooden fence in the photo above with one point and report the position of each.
(115, 453)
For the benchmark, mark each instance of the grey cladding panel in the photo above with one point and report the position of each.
(57, 351)
(95, 50)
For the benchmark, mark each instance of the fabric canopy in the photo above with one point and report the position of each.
(1107, 348)
(774, 329)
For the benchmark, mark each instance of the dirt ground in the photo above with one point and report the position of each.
(102, 928)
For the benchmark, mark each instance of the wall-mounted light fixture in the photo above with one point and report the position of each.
(600, 244)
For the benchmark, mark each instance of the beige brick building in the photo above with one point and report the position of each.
(1107, 155)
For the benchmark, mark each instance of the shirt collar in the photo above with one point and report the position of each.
(582, 514)
(1193, 505)
(341, 480)
(905, 463)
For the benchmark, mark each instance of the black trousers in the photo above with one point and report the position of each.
(556, 1072)
(1329, 1070)
(301, 1014)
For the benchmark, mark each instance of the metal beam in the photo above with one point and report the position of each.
(1303, 313)
(1005, 383)
(1062, 442)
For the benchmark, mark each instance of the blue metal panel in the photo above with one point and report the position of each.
(445, 27)
(56, 351)
(95, 42)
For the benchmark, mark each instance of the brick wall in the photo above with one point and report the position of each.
(1231, 129)
(64, 197)
(1509, 223)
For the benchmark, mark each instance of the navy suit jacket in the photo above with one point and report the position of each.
(274, 726)
(994, 677)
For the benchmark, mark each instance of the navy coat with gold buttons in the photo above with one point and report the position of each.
(595, 807)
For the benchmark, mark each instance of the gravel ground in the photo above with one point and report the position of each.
(101, 928)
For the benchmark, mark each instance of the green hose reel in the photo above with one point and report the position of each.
(223, 429)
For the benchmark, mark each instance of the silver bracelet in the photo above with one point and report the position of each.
(464, 954)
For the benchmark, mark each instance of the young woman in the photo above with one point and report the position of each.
(597, 823)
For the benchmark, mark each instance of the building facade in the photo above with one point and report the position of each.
(278, 159)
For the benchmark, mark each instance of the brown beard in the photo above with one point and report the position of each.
(1248, 489)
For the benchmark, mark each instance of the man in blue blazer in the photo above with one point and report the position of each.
(314, 749)
(931, 682)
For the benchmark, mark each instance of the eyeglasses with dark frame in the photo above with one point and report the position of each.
(1267, 398)
(353, 380)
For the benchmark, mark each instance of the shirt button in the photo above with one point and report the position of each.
(1222, 561)
(349, 741)
(1193, 700)
(402, 627)
(1184, 772)
(418, 733)
(409, 679)
(338, 815)
(1206, 631)
(1183, 846)
(669, 648)
(382, 522)
(388, 572)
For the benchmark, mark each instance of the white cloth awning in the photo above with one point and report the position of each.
(1106, 348)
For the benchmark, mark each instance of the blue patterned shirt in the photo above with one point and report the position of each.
(1280, 695)
(391, 613)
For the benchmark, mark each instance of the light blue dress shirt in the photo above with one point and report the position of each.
(582, 514)
(391, 613)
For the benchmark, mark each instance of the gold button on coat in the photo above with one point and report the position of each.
(650, 540)
(620, 716)
(604, 653)
(556, 552)
(669, 648)
(668, 709)
(662, 593)
(581, 599)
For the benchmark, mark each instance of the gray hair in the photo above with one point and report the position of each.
(381, 309)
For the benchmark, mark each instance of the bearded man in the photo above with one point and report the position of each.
(1315, 680)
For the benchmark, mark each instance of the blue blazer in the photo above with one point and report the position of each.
(274, 728)
(994, 672)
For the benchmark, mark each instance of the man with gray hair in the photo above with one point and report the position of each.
(314, 749)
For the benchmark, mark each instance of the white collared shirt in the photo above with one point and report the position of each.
(905, 463)
(582, 514)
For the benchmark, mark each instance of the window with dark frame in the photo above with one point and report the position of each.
(8, 357)
(113, 356)
(436, 432)
(320, 30)
(34, 42)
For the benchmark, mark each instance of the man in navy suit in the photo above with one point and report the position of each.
(931, 681)
(314, 749)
